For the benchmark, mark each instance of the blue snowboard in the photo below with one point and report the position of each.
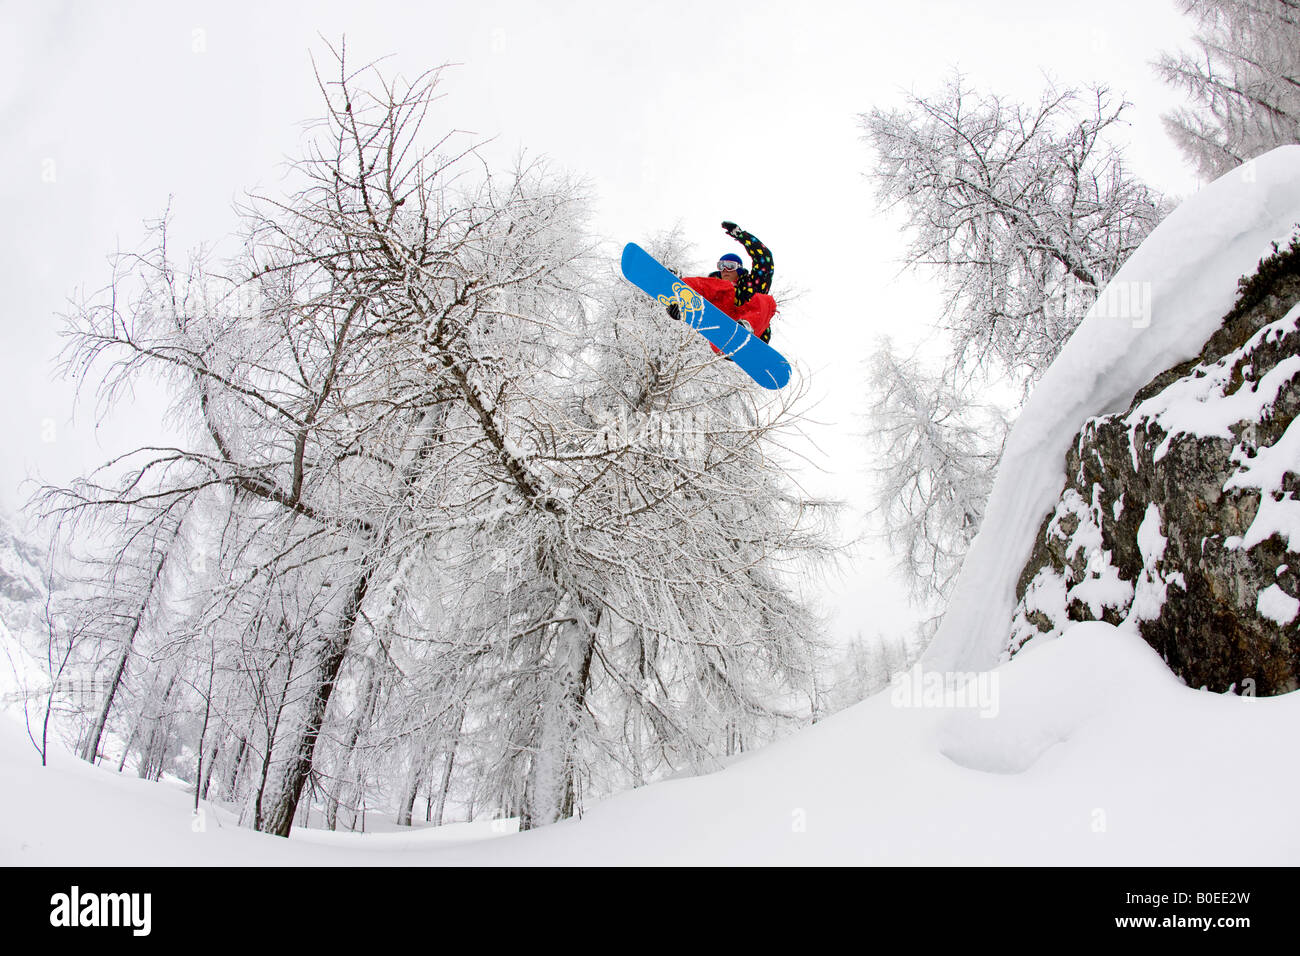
(764, 364)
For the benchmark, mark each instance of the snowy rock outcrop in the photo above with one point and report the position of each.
(1149, 328)
(1179, 515)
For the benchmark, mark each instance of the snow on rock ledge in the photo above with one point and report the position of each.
(1189, 534)
(1185, 275)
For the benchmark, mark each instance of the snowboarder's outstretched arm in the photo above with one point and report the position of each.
(759, 276)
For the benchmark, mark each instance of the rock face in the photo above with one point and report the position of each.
(1180, 516)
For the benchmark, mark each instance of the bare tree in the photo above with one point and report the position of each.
(1243, 81)
(60, 646)
(935, 452)
(424, 532)
(121, 596)
(648, 595)
(1025, 212)
(313, 368)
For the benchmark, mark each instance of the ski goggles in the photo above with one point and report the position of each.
(726, 264)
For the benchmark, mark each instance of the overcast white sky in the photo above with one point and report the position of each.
(677, 113)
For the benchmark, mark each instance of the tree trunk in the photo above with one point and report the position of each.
(272, 734)
(413, 779)
(232, 782)
(208, 766)
(549, 793)
(344, 771)
(447, 768)
(442, 790)
(90, 749)
(279, 820)
(154, 754)
(130, 742)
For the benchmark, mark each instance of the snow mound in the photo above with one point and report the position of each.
(1050, 693)
(1185, 276)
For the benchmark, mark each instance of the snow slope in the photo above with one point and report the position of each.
(1091, 753)
(1157, 311)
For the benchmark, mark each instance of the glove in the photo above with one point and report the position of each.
(730, 228)
(673, 312)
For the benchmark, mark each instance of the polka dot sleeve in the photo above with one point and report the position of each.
(759, 276)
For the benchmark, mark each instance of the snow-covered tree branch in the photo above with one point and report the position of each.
(1243, 81)
(1024, 210)
(936, 453)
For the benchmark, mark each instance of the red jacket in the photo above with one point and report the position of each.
(758, 311)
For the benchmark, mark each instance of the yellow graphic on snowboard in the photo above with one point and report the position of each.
(689, 302)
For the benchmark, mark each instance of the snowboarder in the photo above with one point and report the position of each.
(739, 292)
(764, 364)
